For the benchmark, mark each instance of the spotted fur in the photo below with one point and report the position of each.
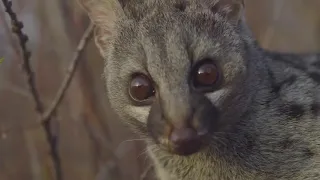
(266, 113)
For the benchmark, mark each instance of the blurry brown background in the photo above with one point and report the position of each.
(93, 145)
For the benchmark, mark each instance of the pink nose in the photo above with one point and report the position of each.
(185, 141)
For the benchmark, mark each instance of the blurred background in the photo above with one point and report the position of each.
(91, 143)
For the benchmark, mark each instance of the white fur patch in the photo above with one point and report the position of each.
(217, 97)
(139, 113)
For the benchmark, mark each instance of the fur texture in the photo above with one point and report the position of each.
(265, 115)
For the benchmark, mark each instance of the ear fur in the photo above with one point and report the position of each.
(233, 10)
(104, 14)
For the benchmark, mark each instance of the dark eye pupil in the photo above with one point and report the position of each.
(141, 88)
(207, 75)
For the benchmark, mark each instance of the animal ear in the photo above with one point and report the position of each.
(233, 10)
(104, 14)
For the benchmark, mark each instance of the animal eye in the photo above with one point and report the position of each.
(205, 75)
(141, 88)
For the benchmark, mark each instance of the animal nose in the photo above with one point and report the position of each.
(185, 141)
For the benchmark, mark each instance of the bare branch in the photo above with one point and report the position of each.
(26, 66)
(23, 38)
(71, 70)
(63, 88)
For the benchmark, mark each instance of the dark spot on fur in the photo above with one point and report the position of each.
(181, 6)
(309, 153)
(315, 76)
(293, 110)
(286, 144)
(215, 9)
(290, 80)
(296, 110)
(315, 108)
(276, 86)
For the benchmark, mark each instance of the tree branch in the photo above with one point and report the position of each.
(26, 66)
(47, 116)
(71, 70)
(23, 38)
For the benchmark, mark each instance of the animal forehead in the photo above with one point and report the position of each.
(181, 4)
(167, 57)
(171, 47)
(195, 13)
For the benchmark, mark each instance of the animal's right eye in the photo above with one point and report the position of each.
(141, 88)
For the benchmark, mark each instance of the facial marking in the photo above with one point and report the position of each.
(218, 96)
(139, 113)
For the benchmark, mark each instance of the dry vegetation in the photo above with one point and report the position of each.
(72, 116)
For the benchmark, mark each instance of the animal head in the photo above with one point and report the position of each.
(175, 69)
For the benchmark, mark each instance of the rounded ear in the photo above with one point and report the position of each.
(102, 39)
(233, 10)
(104, 14)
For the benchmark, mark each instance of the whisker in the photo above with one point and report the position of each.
(130, 140)
(143, 152)
(120, 148)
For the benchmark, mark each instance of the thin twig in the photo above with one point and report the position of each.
(26, 66)
(145, 173)
(69, 74)
(63, 88)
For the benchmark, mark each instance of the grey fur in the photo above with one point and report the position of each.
(269, 102)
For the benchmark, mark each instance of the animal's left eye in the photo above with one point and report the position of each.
(205, 75)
